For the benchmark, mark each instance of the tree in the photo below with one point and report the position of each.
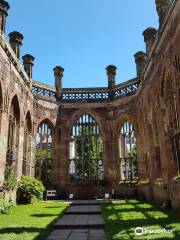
(88, 151)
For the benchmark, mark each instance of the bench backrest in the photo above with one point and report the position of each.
(51, 193)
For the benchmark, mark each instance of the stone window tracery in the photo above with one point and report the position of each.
(86, 150)
(44, 147)
(128, 152)
(13, 133)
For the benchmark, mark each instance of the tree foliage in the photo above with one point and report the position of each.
(29, 189)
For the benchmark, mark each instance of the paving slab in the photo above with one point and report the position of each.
(80, 221)
(88, 202)
(97, 233)
(78, 234)
(84, 209)
(97, 238)
(80, 230)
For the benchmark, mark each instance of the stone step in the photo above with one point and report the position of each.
(80, 222)
(84, 210)
(88, 202)
(77, 234)
(85, 196)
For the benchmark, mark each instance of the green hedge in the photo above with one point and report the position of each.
(29, 189)
(5, 206)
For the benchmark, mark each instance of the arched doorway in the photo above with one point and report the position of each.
(128, 152)
(27, 145)
(85, 150)
(13, 134)
(44, 146)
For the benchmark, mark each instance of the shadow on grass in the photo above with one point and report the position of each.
(43, 215)
(43, 233)
(20, 230)
(53, 207)
(122, 221)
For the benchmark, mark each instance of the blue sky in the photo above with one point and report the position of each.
(83, 36)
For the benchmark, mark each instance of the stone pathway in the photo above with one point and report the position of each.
(82, 221)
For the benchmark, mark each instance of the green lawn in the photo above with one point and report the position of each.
(27, 222)
(123, 217)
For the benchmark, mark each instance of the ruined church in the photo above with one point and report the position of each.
(89, 141)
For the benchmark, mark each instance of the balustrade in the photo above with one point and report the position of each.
(88, 94)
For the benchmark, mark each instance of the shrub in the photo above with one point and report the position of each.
(29, 190)
(10, 181)
(6, 206)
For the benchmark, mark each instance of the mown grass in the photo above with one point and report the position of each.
(123, 217)
(27, 222)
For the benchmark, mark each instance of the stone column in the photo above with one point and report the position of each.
(111, 73)
(19, 154)
(149, 38)
(162, 7)
(111, 150)
(15, 39)
(4, 7)
(61, 150)
(140, 60)
(58, 74)
(28, 62)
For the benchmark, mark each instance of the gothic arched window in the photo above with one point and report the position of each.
(127, 152)
(86, 150)
(13, 133)
(44, 162)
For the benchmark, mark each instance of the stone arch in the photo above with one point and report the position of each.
(46, 120)
(13, 133)
(123, 118)
(15, 108)
(94, 114)
(44, 151)
(125, 155)
(28, 122)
